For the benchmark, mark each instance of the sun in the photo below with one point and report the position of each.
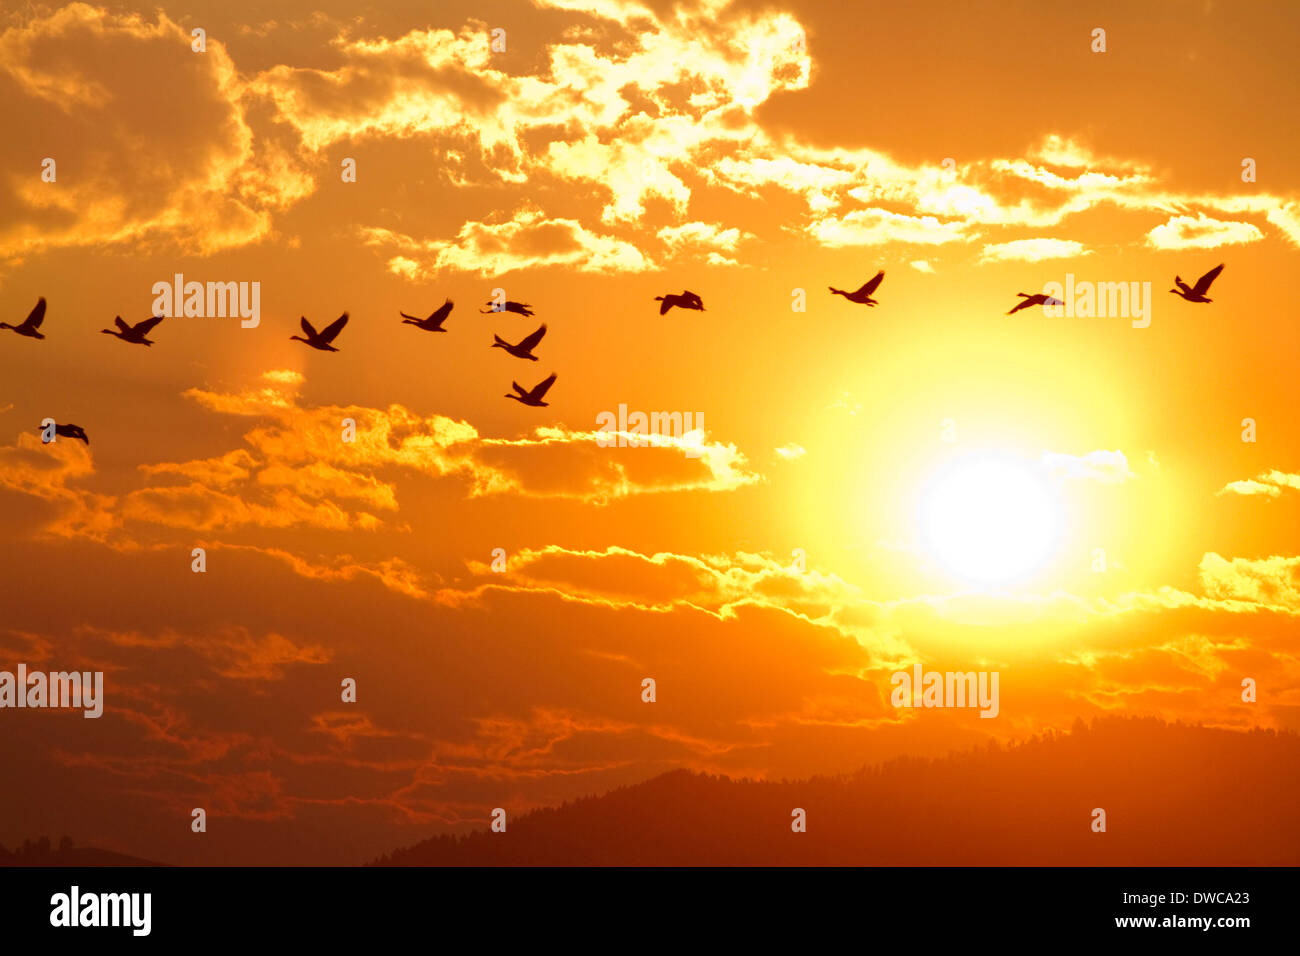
(990, 520)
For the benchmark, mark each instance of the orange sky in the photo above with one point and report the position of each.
(613, 152)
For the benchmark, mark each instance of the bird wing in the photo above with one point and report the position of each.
(443, 310)
(1026, 303)
(331, 331)
(307, 328)
(414, 318)
(528, 343)
(1203, 283)
(121, 323)
(1050, 301)
(145, 327)
(37, 315)
(668, 302)
(523, 392)
(874, 283)
(541, 388)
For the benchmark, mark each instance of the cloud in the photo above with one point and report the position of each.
(1269, 483)
(1273, 581)
(527, 240)
(874, 227)
(1201, 232)
(711, 239)
(1108, 467)
(203, 183)
(296, 471)
(1033, 250)
(791, 451)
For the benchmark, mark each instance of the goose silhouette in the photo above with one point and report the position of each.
(1197, 292)
(862, 295)
(1039, 299)
(521, 307)
(434, 322)
(322, 339)
(534, 395)
(68, 431)
(687, 300)
(134, 333)
(524, 349)
(31, 323)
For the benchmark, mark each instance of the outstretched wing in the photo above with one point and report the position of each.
(307, 328)
(37, 315)
(414, 318)
(874, 283)
(668, 302)
(442, 311)
(523, 392)
(1050, 301)
(148, 324)
(541, 388)
(1203, 283)
(532, 340)
(121, 323)
(331, 331)
(1023, 304)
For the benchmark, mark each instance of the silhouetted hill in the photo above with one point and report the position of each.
(1174, 795)
(41, 853)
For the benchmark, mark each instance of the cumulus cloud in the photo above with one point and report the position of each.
(1034, 250)
(1108, 467)
(1269, 484)
(527, 240)
(205, 182)
(1201, 232)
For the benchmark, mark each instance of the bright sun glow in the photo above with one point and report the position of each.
(990, 520)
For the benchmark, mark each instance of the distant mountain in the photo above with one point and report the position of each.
(1174, 795)
(40, 853)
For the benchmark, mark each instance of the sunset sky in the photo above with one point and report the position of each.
(613, 152)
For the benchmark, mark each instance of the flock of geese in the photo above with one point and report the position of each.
(523, 349)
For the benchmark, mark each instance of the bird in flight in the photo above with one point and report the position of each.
(1038, 299)
(31, 323)
(1197, 292)
(134, 333)
(524, 349)
(521, 307)
(863, 295)
(533, 397)
(434, 322)
(322, 339)
(69, 431)
(687, 300)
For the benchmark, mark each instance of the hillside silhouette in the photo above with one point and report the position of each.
(41, 853)
(1174, 795)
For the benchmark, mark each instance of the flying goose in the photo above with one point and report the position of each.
(524, 349)
(434, 322)
(1039, 299)
(863, 295)
(533, 397)
(521, 307)
(1197, 292)
(134, 333)
(31, 323)
(687, 300)
(68, 431)
(322, 339)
